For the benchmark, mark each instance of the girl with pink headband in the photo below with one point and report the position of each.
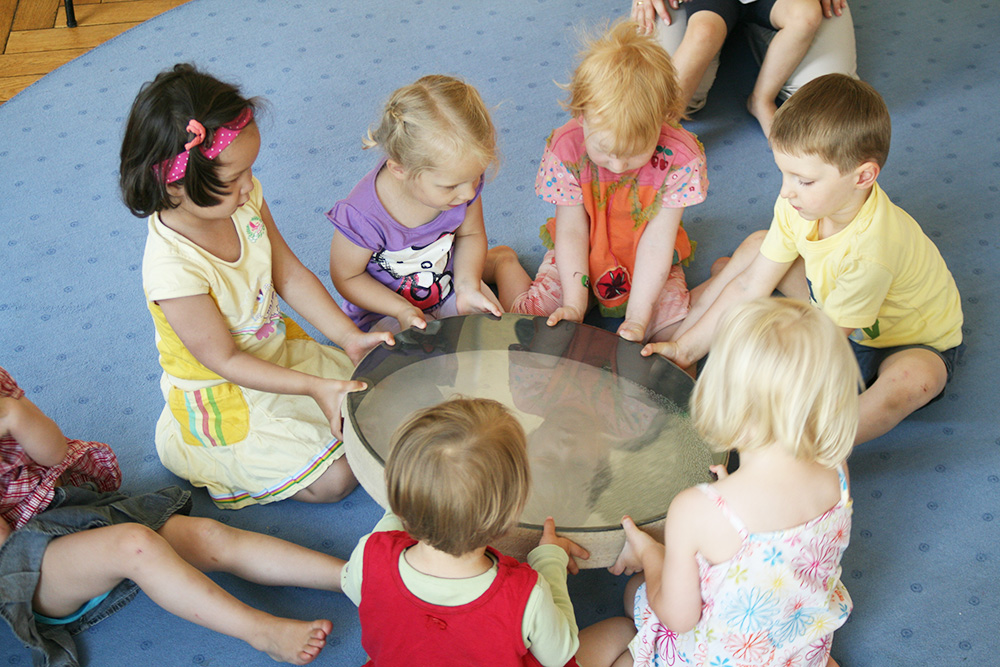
(252, 403)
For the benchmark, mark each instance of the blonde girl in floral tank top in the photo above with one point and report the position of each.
(750, 570)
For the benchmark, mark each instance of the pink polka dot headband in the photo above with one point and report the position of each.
(175, 167)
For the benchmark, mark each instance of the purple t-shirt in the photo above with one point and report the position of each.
(416, 262)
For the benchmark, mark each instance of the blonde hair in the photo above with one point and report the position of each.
(838, 118)
(780, 372)
(457, 474)
(625, 85)
(434, 120)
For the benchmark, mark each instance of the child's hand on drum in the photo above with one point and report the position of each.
(572, 549)
(329, 395)
(411, 317)
(358, 345)
(636, 543)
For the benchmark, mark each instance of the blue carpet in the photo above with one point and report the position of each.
(924, 562)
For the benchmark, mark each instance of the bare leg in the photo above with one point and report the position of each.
(4, 531)
(704, 37)
(831, 662)
(332, 486)
(797, 22)
(605, 644)
(78, 567)
(504, 270)
(211, 546)
(907, 380)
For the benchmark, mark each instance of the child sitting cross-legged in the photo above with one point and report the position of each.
(429, 589)
(838, 241)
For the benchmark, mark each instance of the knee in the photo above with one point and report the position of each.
(803, 16)
(705, 31)
(753, 242)
(136, 542)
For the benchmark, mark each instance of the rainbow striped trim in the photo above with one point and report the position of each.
(281, 487)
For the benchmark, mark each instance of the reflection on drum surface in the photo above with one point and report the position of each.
(600, 444)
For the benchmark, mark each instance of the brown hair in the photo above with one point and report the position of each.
(457, 474)
(625, 85)
(838, 118)
(434, 120)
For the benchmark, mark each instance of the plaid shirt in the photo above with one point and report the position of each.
(26, 488)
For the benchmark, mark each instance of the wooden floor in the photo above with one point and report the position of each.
(34, 39)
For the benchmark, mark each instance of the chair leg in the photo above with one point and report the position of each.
(70, 14)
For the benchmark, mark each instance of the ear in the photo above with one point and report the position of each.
(175, 191)
(867, 173)
(396, 169)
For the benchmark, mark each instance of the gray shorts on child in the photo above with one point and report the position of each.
(72, 510)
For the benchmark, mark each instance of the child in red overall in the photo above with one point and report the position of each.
(428, 588)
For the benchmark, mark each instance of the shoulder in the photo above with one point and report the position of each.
(567, 140)
(681, 142)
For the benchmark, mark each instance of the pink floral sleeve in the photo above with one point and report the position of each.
(555, 184)
(685, 185)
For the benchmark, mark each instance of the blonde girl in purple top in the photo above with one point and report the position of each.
(410, 242)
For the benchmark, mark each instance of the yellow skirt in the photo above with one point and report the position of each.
(252, 447)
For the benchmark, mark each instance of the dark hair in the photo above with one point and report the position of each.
(156, 131)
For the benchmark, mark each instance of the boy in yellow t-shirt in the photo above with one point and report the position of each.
(837, 240)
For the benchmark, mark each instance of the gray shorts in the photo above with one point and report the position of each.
(73, 509)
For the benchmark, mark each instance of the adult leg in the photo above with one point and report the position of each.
(706, 33)
(797, 22)
(907, 381)
(78, 567)
(333, 485)
(670, 37)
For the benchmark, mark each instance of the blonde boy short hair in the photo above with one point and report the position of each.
(837, 118)
(779, 373)
(433, 121)
(625, 85)
(457, 474)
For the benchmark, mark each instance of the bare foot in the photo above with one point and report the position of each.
(763, 111)
(296, 642)
(503, 269)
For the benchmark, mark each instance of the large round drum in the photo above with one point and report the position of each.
(608, 432)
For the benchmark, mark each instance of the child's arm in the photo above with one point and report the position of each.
(550, 627)
(653, 261)
(201, 328)
(759, 279)
(673, 584)
(348, 269)
(470, 255)
(34, 431)
(573, 259)
(303, 291)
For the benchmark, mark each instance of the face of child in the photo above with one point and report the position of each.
(817, 189)
(598, 144)
(447, 187)
(235, 170)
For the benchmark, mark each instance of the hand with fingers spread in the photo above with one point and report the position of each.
(645, 12)
(572, 549)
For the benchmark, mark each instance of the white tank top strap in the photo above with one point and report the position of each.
(720, 502)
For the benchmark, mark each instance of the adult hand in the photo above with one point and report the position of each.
(572, 549)
(644, 12)
(831, 7)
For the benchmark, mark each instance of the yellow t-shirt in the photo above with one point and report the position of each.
(880, 275)
(173, 267)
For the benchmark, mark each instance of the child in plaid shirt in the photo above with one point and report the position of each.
(60, 515)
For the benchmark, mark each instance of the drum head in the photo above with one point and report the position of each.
(608, 430)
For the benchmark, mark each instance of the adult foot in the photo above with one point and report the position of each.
(763, 111)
